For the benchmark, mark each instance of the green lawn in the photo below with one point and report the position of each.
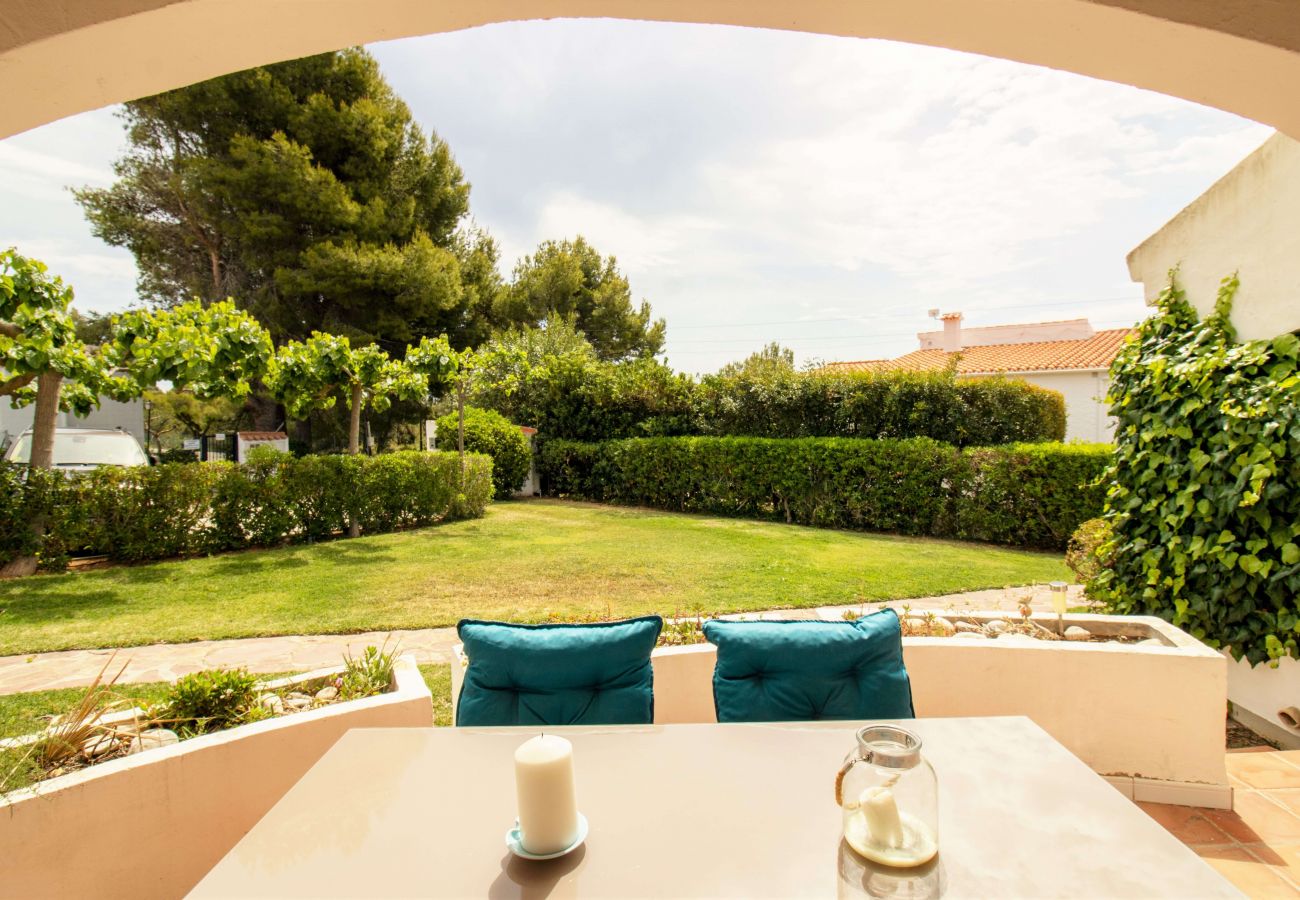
(523, 561)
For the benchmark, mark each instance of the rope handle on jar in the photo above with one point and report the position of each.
(844, 770)
(839, 778)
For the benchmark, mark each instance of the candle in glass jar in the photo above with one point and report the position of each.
(548, 805)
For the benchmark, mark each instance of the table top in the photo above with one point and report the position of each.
(701, 811)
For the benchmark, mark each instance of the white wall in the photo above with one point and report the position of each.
(1247, 222)
(111, 414)
(1260, 692)
(1087, 417)
(1086, 414)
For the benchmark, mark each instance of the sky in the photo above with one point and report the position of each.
(754, 185)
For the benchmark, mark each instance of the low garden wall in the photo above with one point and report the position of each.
(183, 509)
(1149, 717)
(152, 824)
(1028, 495)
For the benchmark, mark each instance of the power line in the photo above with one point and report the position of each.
(861, 317)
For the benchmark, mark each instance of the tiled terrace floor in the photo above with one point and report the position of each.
(1257, 846)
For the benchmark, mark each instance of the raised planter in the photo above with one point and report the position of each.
(1149, 717)
(152, 824)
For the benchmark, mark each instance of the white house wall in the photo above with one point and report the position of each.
(1086, 415)
(1248, 222)
(111, 414)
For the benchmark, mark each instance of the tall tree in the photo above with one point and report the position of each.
(39, 350)
(303, 188)
(311, 375)
(571, 279)
(213, 351)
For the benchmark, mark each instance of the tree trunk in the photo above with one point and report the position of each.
(354, 445)
(354, 424)
(48, 385)
(214, 260)
(460, 431)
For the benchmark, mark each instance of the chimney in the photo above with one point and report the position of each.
(951, 332)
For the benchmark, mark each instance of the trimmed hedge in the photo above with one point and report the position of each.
(1029, 495)
(487, 431)
(574, 397)
(887, 405)
(178, 509)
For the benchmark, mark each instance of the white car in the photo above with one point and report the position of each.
(83, 449)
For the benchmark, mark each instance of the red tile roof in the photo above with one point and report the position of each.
(263, 435)
(1095, 352)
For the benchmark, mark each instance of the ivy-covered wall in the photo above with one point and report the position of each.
(1204, 503)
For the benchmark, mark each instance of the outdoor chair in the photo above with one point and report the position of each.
(596, 674)
(808, 670)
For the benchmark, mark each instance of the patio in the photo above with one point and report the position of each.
(1256, 845)
(679, 805)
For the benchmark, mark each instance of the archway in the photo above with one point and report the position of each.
(68, 56)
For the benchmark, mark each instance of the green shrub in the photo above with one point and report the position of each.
(783, 403)
(1205, 503)
(1084, 555)
(1031, 495)
(210, 700)
(490, 432)
(367, 675)
(1025, 495)
(176, 509)
(178, 455)
(570, 395)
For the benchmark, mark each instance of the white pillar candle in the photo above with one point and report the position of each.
(880, 809)
(548, 804)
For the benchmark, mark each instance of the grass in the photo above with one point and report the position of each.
(523, 561)
(22, 714)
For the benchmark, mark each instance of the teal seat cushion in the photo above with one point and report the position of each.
(595, 674)
(801, 671)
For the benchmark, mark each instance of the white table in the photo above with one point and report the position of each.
(702, 811)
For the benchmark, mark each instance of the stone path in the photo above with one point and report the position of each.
(300, 653)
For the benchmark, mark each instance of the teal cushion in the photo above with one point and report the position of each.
(558, 674)
(800, 671)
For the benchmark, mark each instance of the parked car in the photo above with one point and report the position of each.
(83, 449)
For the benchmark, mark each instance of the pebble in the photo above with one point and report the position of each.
(995, 626)
(1077, 633)
(969, 628)
(272, 703)
(941, 627)
(152, 738)
(327, 693)
(97, 745)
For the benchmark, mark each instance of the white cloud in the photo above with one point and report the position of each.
(838, 187)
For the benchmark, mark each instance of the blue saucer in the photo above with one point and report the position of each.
(517, 848)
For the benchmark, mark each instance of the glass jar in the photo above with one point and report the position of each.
(890, 798)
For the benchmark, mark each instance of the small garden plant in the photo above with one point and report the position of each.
(92, 731)
(212, 700)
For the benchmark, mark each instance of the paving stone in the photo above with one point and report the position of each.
(167, 662)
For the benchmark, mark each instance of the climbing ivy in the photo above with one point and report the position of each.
(1204, 503)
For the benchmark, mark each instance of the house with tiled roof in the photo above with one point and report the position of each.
(1068, 356)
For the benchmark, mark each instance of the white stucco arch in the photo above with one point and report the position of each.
(60, 57)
